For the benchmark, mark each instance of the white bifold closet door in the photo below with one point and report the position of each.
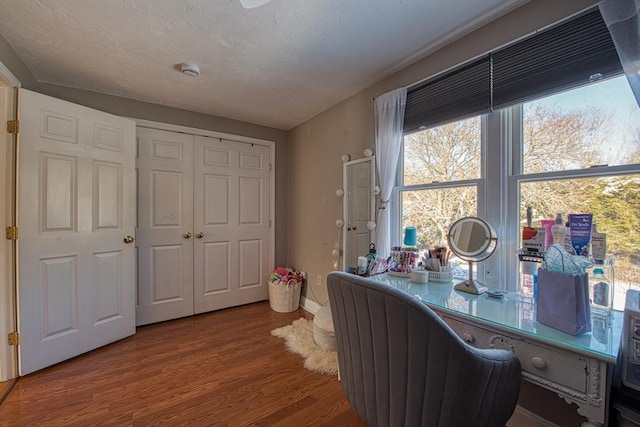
(231, 223)
(165, 224)
(204, 229)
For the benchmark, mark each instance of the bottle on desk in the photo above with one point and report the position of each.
(528, 291)
(600, 289)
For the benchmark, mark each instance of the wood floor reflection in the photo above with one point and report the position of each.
(217, 369)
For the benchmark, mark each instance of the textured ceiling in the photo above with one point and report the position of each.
(276, 65)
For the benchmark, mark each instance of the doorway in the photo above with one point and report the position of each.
(9, 85)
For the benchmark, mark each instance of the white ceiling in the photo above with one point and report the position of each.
(276, 65)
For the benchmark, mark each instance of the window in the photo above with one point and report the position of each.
(566, 143)
(587, 127)
(441, 175)
(581, 153)
(574, 152)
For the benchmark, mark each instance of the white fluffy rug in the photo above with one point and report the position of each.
(299, 339)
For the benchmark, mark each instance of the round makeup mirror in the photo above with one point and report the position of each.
(472, 239)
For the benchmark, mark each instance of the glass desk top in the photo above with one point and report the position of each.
(513, 315)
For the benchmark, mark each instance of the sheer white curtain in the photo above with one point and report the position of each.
(389, 112)
(623, 22)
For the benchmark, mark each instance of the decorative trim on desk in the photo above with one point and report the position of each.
(505, 342)
(595, 375)
(561, 390)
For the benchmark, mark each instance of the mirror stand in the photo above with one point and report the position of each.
(471, 286)
(473, 240)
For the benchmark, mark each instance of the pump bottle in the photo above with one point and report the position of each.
(558, 230)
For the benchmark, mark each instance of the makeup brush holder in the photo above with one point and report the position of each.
(444, 275)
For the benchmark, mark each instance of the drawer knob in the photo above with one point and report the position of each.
(538, 362)
(468, 337)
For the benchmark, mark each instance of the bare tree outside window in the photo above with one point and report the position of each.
(587, 128)
(581, 132)
(441, 155)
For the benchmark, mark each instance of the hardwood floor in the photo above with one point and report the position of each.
(5, 388)
(217, 369)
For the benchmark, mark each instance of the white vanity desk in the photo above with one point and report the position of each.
(578, 369)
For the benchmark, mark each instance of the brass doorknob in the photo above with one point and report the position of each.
(186, 235)
(200, 235)
(128, 239)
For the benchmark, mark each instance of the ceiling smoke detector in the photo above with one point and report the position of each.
(252, 4)
(190, 69)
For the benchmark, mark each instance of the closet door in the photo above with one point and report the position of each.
(231, 223)
(165, 225)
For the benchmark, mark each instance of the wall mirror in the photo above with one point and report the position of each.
(473, 240)
(358, 180)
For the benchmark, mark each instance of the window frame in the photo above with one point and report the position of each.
(501, 152)
(502, 140)
(395, 204)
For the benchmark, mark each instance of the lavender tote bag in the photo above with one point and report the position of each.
(563, 302)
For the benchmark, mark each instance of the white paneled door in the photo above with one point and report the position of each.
(76, 219)
(165, 226)
(231, 223)
(204, 231)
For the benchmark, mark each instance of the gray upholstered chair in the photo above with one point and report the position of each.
(401, 365)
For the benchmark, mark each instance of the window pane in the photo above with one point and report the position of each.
(615, 205)
(432, 211)
(598, 124)
(445, 153)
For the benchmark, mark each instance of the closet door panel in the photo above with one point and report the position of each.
(215, 268)
(165, 226)
(216, 207)
(203, 224)
(231, 210)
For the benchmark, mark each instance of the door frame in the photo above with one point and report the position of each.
(237, 138)
(9, 85)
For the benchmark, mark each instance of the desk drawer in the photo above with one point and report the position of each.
(566, 369)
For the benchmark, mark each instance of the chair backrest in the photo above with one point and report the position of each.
(401, 365)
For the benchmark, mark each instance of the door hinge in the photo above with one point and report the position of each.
(14, 338)
(12, 233)
(13, 126)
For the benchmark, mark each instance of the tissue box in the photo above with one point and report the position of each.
(533, 239)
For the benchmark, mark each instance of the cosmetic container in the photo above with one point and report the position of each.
(558, 230)
(600, 289)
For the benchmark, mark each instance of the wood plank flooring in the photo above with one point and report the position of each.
(5, 388)
(217, 369)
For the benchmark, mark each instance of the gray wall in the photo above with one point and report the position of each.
(159, 113)
(308, 164)
(315, 168)
(315, 147)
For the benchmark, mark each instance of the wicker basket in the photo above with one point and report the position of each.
(284, 298)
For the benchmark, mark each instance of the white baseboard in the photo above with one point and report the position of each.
(309, 305)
